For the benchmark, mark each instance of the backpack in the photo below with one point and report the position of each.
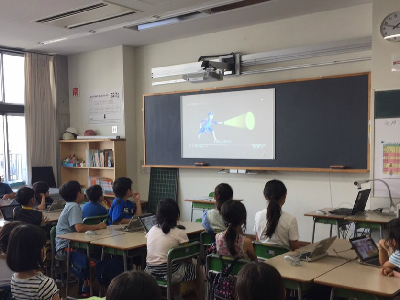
(223, 286)
(79, 265)
(106, 270)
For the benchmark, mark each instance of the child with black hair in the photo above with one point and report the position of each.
(389, 250)
(212, 219)
(133, 285)
(93, 208)
(122, 210)
(163, 237)
(273, 225)
(259, 281)
(25, 255)
(26, 197)
(42, 196)
(70, 219)
(5, 272)
(232, 241)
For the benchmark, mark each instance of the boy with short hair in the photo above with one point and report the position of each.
(122, 209)
(93, 208)
(26, 197)
(71, 217)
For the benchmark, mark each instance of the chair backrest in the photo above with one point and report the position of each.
(213, 263)
(94, 220)
(183, 252)
(211, 195)
(267, 251)
(8, 212)
(44, 174)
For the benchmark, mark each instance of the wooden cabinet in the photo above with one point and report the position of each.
(79, 148)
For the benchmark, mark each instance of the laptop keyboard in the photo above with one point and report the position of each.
(304, 255)
(342, 211)
(374, 262)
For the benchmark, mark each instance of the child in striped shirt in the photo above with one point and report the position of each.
(389, 250)
(25, 256)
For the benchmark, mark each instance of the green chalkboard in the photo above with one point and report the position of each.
(387, 104)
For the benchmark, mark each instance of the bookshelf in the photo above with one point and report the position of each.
(80, 149)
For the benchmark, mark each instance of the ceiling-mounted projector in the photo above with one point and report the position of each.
(215, 70)
(204, 76)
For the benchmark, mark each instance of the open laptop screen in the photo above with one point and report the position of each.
(365, 247)
(148, 222)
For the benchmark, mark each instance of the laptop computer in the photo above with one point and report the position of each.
(359, 205)
(8, 211)
(148, 221)
(318, 252)
(57, 205)
(366, 250)
(133, 225)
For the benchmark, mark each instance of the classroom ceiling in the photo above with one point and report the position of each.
(19, 28)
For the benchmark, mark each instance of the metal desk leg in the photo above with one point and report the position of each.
(338, 229)
(333, 294)
(125, 263)
(313, 232)
(68, 262)
(380, 230)
(90, 273)
(299, 293)
(330, 232)
(191, 216)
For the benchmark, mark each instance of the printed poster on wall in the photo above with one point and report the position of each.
(106, 107)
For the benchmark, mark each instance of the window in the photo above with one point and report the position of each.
(13, 165)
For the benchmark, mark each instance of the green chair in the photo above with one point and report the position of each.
(267, 251)
(214, 266)
(54, 260)
(94, 220)
(205, 242)
(177, 254)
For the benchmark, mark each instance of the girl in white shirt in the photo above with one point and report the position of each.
(272, 225)
(160, 239)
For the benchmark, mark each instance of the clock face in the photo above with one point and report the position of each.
(390, 27)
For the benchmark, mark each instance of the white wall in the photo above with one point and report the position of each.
(306, 191)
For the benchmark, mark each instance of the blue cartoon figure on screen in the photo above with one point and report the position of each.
(205, 125)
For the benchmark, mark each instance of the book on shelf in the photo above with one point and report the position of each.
(104, 182)
(100, 158)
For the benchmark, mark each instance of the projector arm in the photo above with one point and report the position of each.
(224, 66)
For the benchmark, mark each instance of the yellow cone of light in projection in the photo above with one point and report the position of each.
(245, 120)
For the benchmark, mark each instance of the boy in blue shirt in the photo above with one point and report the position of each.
(93, 208)
(122, 209)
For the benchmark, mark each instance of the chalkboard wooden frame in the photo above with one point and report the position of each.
(345, 137)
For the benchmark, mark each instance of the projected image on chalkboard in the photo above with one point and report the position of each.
(231, 125)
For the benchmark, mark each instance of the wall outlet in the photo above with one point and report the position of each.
(114, 129)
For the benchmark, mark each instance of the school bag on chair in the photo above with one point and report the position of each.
(223, 286)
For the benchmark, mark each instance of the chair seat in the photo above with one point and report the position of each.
(162, 282)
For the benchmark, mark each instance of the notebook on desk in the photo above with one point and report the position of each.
(366, 250)
(359, 205)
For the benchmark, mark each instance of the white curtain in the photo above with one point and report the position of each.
(40, 112)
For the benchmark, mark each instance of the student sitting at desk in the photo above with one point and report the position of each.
(122, 210)
(232, 241)
(273, 225)
(42, 196)
(71, 217)
(26, 197)
(389, 250)
(93, 208)
(212, 219)
(5, 191)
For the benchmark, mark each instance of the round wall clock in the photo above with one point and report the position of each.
(390, 27)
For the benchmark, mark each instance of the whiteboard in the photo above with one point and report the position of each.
(387, 156)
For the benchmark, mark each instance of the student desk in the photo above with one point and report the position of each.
(339, 245)
(301, 278)
(52, 216)
(354, 280)
(202, 204)
(132, 243)
(83, 241)
(328, 218)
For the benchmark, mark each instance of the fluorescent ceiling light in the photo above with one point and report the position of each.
(168, 81)
(53, 41)
(69, 37)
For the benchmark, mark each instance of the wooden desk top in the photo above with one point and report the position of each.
(328, 215)
(52, 216)
(100, 234)
(308, 271)
(358, 277)
(206, 201)
(132, 240)
(338, 245)
(371, 217)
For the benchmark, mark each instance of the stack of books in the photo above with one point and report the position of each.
(104, 182)
(100, 158)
